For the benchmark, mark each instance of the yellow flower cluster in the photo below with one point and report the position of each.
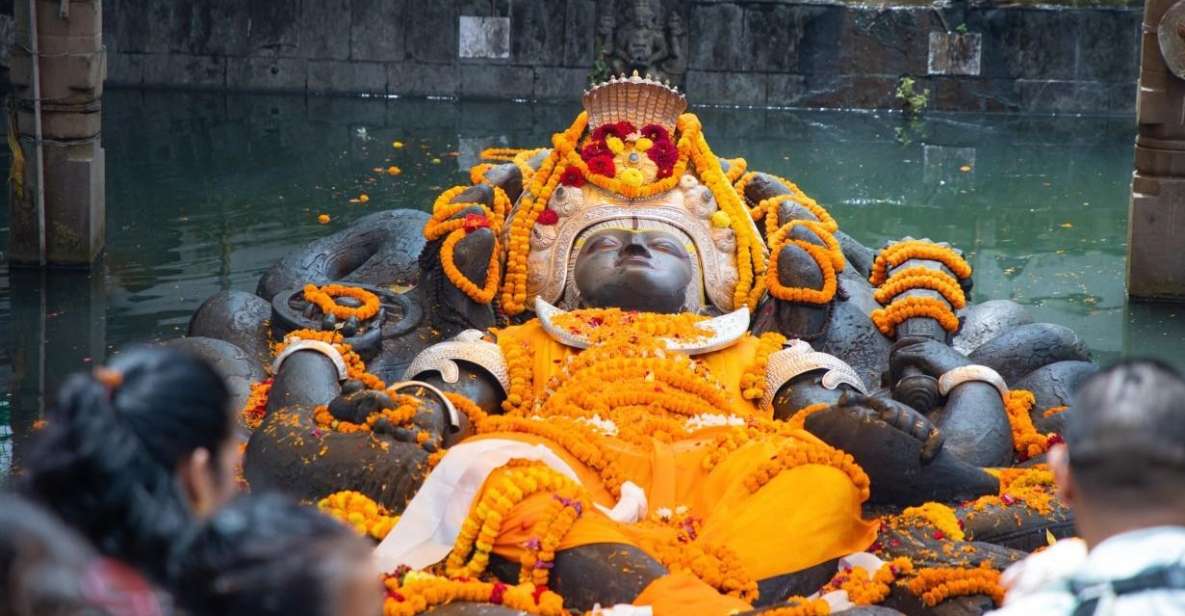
(864, 588)
(753, 379)
(504, 489)
(500, 154)
(935, 585)
(325, 299)
(800, 606)
(360, 512)
(417, 592)
(939, 516)
(477, 173)
(737, 168)
(1026, 440)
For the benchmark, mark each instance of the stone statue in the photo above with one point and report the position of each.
(632, 372)
(642, 44)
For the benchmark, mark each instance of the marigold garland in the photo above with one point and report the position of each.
(800, 606)
(803, 295)
(800, 454)
(501, 154)
(567, 505)
(753, 378)
(901, 252)
(324, 298)
(935, 585)
(255, 408)
(355, 367)
(1026, 440)
(736, 168)
(404, 411)
(768, 208)
(477, 173)
(417, 592)
(798, 419)
(360, 512)
(920, 277)
(600, 324)
(444, 218)
(1054, 410)
(864, 588)
(888, 318)
(481, 295)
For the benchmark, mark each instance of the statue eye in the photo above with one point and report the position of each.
(606, 242)
(666, 246)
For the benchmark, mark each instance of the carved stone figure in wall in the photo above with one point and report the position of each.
(641, 43)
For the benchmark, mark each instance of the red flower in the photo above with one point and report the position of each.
(664, 154)
(1008, 499)
(1054, 439)
(473, 222)
(594, 149)
(539, 590)
(498, 592)
(656, 132)
(603, 165)
(572, 177)
(939, 535)
(547, 217)
(618, 129)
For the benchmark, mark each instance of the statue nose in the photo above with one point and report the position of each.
(635, 247)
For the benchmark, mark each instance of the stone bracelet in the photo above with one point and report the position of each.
(963, 374)
(454, 417)
(316, 346)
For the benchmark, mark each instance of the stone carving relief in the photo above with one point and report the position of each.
(642, 36)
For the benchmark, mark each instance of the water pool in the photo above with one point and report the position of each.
(205, 191)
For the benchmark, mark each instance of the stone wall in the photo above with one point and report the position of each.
(754, 52)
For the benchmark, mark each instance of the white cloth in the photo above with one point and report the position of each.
(1039, 584)
(432, 520)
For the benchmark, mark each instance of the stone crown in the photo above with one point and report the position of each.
(638, 100)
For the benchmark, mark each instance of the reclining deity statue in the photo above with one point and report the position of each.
(632, 371)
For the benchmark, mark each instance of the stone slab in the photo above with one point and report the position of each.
(710, 88)
(413, 79)
(342, 77)
(537, 31)
(324, 28)
(483, 37)
(267, 74)
(559, 83)
(718, 37)
(125, 69)
(185, 71)
(1156, 265)
(889, 41)
(275, 28)
(377, 29)
(580, 23)
(431, 32)
(497, 81)
(951, 53)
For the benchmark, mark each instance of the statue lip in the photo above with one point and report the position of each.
(635, 260)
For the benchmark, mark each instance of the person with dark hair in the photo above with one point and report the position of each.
(47, 569)
(1122, 470)
(263, 555)
(133, 453)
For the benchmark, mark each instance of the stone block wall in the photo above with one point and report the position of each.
(741, 52)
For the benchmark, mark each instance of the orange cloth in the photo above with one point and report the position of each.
(684, 594)
(801, 517)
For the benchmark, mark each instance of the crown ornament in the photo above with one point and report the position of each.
(634, 99)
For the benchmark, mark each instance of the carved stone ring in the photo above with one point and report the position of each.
(469, 346)
(454, 417)
(317, 346)
(799, 359)
(963, 374)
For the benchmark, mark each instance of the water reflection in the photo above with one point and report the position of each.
(205, 191)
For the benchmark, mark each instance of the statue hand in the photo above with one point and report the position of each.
(901, 417)
(356, 404)
(930, 356)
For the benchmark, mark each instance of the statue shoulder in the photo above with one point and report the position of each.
(469, 346)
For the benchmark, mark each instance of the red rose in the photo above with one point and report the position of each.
(547, 217)
(473, 222)
(572, 177)
(601, 132)
(602, 165)
(656, 132)
(665, 155)
(593, 150)
(622, 129)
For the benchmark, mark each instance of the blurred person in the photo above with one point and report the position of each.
(264, 555)
(47, 569)
(134, 453)
(1122, 470)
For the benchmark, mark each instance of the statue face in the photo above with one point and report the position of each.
(639, 46)
(647, 271)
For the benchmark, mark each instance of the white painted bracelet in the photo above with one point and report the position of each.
(454, 417)
(317, 346)
(963, 374)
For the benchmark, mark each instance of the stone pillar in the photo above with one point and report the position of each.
(72, 63)
(1156, 229)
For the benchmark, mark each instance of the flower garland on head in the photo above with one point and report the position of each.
(255, 409)
(355, 367)
(324, 298)
(360, 512)
(598, 325)
(937, 584)
(888, 318)
(416, 592)
(896, 254)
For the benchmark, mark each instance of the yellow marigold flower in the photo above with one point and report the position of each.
(363, 198)
(435, 161)
(393, 170)
(615, 145)
(323, 219)
(632, 177)
(721, 220)
(643, 144)
(398, 145)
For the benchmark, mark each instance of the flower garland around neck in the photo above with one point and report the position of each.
(325, 298)
(566, 507)
(888, 318)
(1027, 442)
(799, 453)
(445, 220)
(900, 252)
(753, 379)
(360, 512)
(414, 592)
(566, 164)
(401, 414)
(255, 408)
(921, 277)
(937, 584)
(505, 488)
(355, 367)
(598, 325)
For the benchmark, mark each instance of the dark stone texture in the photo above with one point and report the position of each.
(125, 69)
(423, 79)
(432, 32)
(1108, 45)
(785, 90)
(970, 94)
(774, 32)
(324, 29)
(337, 77)
(853, 91)
(717, 41)
(177, 70)
(496, 81)
(377, 29)
(270, 74)
(726, 88)
(537, 31)
(889, 41)
(275, 27)
(1021, 43)
(580, 22)
(554, 83)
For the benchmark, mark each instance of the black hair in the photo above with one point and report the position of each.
(41, 562)
(1126, 434)
(106, 462)
(264, 555)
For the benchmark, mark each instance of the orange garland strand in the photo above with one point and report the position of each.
(323, 298)
(920, 277)
(888, 318)
(935, 585)
(901, 252)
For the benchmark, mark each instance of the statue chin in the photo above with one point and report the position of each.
(643, 290)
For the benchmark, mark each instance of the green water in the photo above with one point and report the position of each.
(205, 191)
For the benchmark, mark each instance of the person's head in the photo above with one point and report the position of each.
(46, 569)
(646, 270)
(134, 452)
(1123, 462)
(263, 555)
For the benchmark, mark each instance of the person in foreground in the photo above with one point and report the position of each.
(1122, 469)
(265, 555)
(134, 452)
